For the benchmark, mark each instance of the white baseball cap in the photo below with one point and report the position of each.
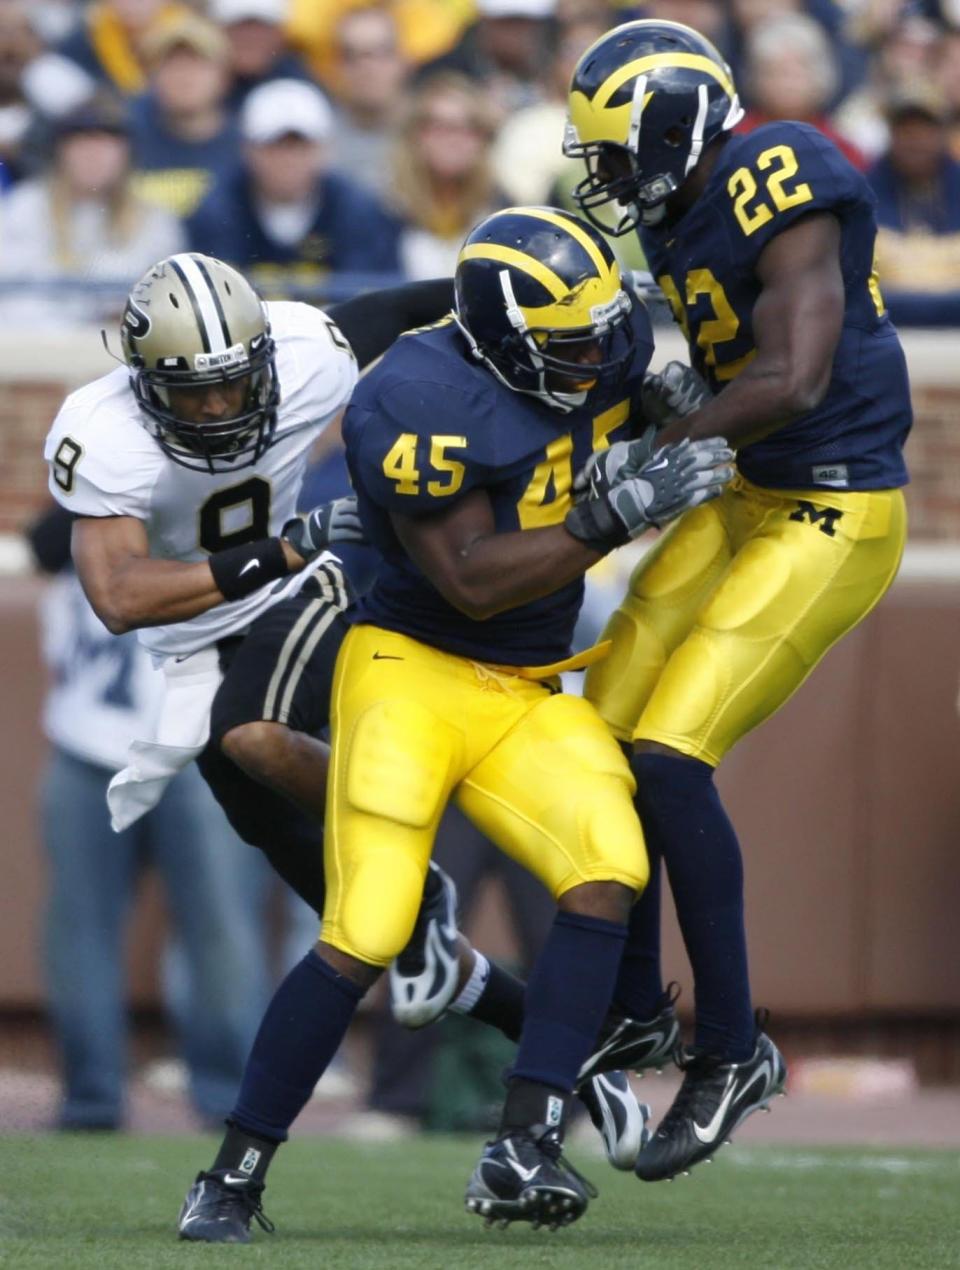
(283, 106)
(226, 12)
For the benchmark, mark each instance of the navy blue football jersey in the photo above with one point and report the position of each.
(427, 425)
(706, 264)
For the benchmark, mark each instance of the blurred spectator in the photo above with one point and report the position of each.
(103, 692)
(427, 28)
(790, 73)
(108, 46)
(283, 217)
(258, 44)
(527, 158)
(948, 78)
(183, 135)
(506, 50)
(902, 50)
(710, 17)
(917, 184)
(367, 76)
(19, 45)
(81, 221)
(442, 180)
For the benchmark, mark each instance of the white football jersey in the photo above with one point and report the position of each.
(104, 462)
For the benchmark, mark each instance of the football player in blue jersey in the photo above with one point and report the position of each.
(462, 444)
(764, 246)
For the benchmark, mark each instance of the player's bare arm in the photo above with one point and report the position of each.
(796, 322)
(481, 572)
(129, 590)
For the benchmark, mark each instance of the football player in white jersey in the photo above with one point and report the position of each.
(183, 468)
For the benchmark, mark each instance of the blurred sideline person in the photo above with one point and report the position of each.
(792, 73)
(184, 136)
(108, 44)
(426, 28)
(917, 184)
(241, 604)
(504, 52)
(764, 246)
(282, 215)
(367, 80)
(259, 51)
(442, 182)
(446, 685)
(80, 220)
(104, 692)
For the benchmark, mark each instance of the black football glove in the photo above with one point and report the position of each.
(674, 393)
(313, 532)
(674, 479)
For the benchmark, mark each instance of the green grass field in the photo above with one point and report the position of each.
(88, 1201)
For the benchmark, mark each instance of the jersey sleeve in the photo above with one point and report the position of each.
(316, 365)
(780, 173)
(413, 449)
(96, 471)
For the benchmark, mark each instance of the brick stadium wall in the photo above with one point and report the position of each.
(37, 372)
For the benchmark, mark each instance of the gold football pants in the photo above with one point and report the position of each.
(534, 769)
(728, 614)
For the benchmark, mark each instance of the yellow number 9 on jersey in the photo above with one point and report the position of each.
(400, 464)
(742, 188)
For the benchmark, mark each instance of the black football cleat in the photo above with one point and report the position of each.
(423, 979)
(636, 1045)
(620, 1120)
(714, 1098)
(522, 1176)
(219, 1208)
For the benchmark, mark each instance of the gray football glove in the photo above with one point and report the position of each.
(336, 521)
(606, 468)
(674, 479)
(677, 391)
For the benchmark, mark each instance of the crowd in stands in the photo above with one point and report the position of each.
(324, 145)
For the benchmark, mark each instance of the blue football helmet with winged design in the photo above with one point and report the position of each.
(541, 304)
(645, 101)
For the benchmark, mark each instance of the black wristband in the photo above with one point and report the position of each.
(594, 523)
(239, 570)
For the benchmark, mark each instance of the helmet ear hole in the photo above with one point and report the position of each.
(676, 134)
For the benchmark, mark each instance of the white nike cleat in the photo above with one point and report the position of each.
(620, 1120)
(423, 979)
(714, 1098)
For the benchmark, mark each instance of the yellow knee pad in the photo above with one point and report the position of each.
(377, 908)
(399, 760)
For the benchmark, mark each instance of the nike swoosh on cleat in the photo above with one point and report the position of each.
(251, 564)
(525, 1175)
(708, 1134)
(234, 1179)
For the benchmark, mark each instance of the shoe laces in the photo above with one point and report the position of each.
(249, 1199)
(551, 1145)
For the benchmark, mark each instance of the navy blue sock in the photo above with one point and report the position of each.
(300, 1033)
(568, 995)
(639, 992)
(681, 811)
